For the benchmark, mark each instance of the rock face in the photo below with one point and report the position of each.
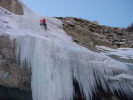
(89, 34)
(12, 5)
(11, 74)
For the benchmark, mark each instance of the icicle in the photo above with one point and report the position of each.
(55, 65)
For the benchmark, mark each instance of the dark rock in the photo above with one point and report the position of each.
(7, 93)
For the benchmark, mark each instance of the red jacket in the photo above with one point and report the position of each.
(43, 21)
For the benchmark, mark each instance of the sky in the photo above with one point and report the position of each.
(115, 13)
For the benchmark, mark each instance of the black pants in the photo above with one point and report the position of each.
(45, 25)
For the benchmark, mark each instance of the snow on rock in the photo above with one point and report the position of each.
(55, 61)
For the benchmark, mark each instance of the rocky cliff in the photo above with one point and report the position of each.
(90, 34)
(11, 74)
(14, 80)
(12, 5)
(86, 33)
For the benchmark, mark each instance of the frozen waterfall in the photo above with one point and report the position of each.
(54, 65)
(56, 61)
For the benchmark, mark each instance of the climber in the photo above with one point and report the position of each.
(43, 22)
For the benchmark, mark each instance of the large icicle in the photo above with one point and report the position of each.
(55, 64)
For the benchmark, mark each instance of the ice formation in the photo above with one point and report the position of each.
(124, 55)
(55, 61)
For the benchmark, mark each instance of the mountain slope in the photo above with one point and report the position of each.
(89, 34)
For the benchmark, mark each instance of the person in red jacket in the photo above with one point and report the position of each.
(43, 22)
